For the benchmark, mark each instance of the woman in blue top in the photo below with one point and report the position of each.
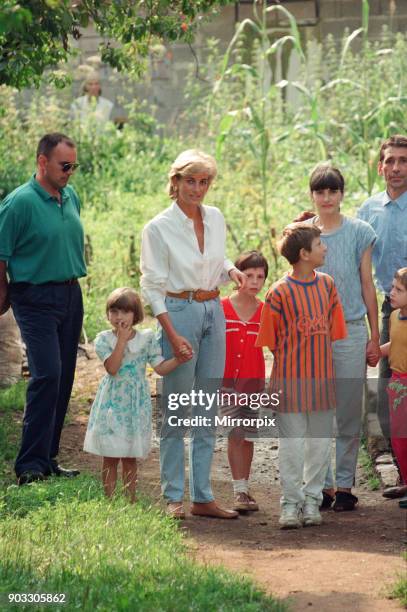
(348, 261)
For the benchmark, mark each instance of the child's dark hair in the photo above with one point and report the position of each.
(325, 176)
(128, 300)
(252, 259)
(297, 236)
(401, 276)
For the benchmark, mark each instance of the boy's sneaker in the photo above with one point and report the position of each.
(290, 517)
(311, 515)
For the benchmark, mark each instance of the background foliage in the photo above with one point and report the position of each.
(352, 97)
(38, 34)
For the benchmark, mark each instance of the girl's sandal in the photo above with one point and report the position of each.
(344, 501)
(175, 510)
(254, 506)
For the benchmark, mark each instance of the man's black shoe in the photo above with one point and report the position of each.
(60, 471)
(30, 476)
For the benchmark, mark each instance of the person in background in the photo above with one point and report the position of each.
(92, 107)
(42, 252)
(386, 212)
(244, 370)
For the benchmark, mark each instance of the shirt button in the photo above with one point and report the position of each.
(239, 355)
(242, 340)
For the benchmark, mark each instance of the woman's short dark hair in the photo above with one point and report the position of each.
(50, 141)
(252, 259)
(325, 176)
(297, 236)
(128, 300)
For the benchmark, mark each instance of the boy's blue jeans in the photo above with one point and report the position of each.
(50, 320)
(203, 325)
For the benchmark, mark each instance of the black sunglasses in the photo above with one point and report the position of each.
(66, 166)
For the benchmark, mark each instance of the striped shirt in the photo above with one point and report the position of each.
(299, 322)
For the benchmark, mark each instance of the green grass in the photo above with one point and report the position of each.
(64, 536)
(373, 480)
(400, 588)
(12, 400)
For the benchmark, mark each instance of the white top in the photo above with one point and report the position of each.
(85, 108)
(171, 259)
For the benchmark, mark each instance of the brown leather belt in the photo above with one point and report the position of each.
(199, 295)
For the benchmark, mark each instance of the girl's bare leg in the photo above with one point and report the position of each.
(240, 455)
(129, 475)
(109, 474)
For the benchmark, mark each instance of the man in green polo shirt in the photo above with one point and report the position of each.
(41, 258)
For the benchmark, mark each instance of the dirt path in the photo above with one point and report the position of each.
(347, 564)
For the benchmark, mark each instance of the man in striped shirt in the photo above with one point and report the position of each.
(300, 320)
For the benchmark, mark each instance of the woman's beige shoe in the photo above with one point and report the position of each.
(212, 510)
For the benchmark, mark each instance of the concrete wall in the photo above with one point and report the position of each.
(162, 92)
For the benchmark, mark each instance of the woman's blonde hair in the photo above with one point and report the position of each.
(190, 162)
(91, 77)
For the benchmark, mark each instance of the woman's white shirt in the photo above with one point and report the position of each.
(171, 259)
(85, 108)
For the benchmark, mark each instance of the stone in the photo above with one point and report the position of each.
(384, 459)
(388, 475)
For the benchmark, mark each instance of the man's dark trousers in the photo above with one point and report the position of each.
(50, 320)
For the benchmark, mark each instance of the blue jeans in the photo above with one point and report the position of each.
(203, 325)
(350, 372)
(50, 320)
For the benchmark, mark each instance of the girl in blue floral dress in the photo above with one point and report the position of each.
(119, 427)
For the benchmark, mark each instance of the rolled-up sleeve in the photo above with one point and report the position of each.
(154, 267)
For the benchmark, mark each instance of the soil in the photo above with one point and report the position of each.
(348, 563)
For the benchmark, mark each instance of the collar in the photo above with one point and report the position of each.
(401, 201)
(43, 193)
(304, 283)
(183, 217)
(134, 344)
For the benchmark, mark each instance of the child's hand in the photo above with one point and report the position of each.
(186, 353)
(182, 349)
(372, 353)
(124, 331)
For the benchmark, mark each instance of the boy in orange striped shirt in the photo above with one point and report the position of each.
(301, 318)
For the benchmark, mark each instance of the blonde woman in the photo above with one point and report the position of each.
(183, 263)
(91, 105)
